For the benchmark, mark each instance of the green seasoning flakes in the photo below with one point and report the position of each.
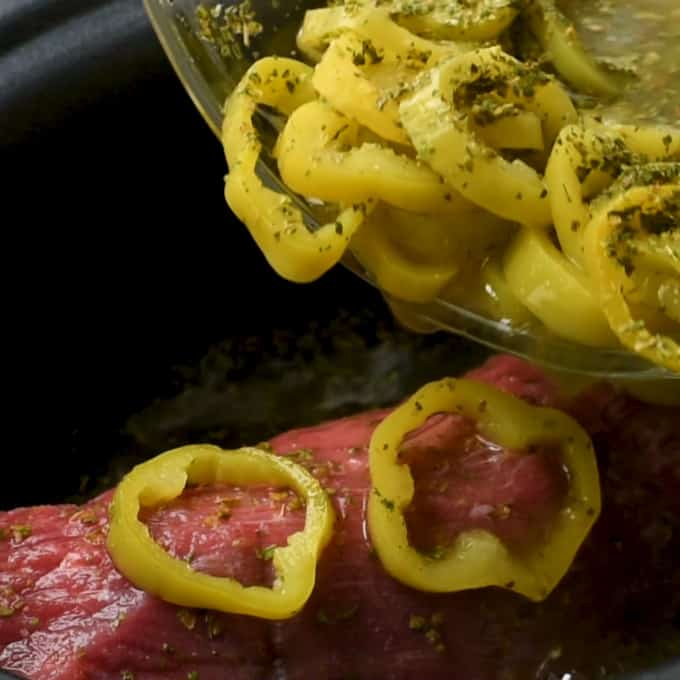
(20, 532)
(187, 618)
(367, 55)
(266, 553)
(436, 553)
(227, 26)
(302, 456)
(429, 627)
(388, 503)
(334, 615)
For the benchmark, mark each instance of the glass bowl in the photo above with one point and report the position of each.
(210, 63)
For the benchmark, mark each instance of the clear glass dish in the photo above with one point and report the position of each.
(209, 62)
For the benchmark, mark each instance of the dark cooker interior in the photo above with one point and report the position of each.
(139, 313)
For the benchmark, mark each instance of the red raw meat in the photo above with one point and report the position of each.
(70, 615)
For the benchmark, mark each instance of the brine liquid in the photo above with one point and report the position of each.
(641, 37)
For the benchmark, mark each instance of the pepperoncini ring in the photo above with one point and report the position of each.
(318, 155)
(273, 219)
(161, 479)
(581, 157)
(441, 126)
(342, 82)
(478, 21)
(616, 242)
(373, 23)
(478, 558)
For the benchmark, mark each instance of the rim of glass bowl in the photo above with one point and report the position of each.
(198, 62)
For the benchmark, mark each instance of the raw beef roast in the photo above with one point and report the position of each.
(67, 614)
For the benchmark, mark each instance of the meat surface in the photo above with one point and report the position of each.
(65, 612)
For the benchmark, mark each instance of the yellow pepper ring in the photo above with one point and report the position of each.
(443, 19)
(321, 26)
(478, 558)
(161, 479)
(348, 88)
(273, 219)
(609, 243)
(440, 131)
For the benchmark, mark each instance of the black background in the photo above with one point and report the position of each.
(120, 256)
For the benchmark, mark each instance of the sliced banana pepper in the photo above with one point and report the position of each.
(273, 219)
(441, 131)
(316, 157)
(638, 229)
(478, 558)
(160, 480)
